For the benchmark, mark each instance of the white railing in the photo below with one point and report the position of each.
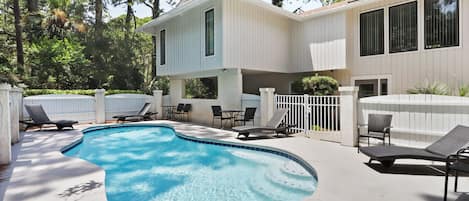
(250, 100)
(311, 114)
(125, 104)
(75, 107)
(418, 120)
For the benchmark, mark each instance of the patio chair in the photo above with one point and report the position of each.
(40, 118)
(449, 144)
(379, 127)
(218, 114)
(274, 125)
(456, 163)
(143, 114)
(184, 111)
(248, 116)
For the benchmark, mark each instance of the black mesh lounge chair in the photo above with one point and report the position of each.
(143, 114)
(248, 116)
(40, 118)
(274, 124)
(379, 127)
(455, 164)
(449, 144)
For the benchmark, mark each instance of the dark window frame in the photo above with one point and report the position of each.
(432, 25)
(367, 47)
(209, 32)
(163, 47)
(403, 34)
(208, 91)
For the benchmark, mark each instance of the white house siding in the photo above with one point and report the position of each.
(319, 44)
(230, 88)
(185, 41)
(254, 38)
(408, 69)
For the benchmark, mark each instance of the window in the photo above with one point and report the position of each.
(403, 28)
(372, 33)
(162, 47)
(201, 88)
(209, 33)
(441, 23)
(372, 87)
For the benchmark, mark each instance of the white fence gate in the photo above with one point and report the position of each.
(311, 114)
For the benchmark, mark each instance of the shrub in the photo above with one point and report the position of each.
(88, 92)
(463, 90)
(435, 88)
(316, 85)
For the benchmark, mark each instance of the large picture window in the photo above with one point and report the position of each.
(209, 32)
(162, 47)
(372, 33)
(201, 88)
(441, 23)
(403, 30)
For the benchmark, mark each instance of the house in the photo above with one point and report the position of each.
(381, 46)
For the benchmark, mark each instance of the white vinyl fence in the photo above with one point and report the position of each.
(250, 100)
(418, 120)
(73, 107)
(125, 104)
(311, 114)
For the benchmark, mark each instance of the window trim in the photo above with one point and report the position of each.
(460, 27)
(385, 24)
(183, 89)
(204, 14)
(163, 50)
(389, 26)
(374, 77)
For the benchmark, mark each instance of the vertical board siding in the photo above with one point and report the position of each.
(125, 104)
(418, 120)
(59, 107)
(255, 38)
(408, 69)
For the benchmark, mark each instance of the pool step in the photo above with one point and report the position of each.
(251, 157)
(294, 169)
(282, 180)
(268, 191)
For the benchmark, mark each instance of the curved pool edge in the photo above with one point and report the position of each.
(280, 152)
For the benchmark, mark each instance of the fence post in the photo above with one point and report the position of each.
(267, 104)
(306, 125)
(16, 107)
(100, 106)
(5, 127)
(158, 103)
(348, 115)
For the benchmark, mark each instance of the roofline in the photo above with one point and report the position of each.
(310, 14)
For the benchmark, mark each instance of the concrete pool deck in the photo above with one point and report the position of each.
(41, 172)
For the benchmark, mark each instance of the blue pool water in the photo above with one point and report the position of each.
(152, 163)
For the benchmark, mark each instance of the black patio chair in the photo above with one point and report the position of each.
(455, 164)
(184, 112)
(218, 114)
(379, 127)
(248, 116)
(40, 118)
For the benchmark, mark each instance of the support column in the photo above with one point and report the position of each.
(348, 115)
(16, 109)
(267, 104)
(158, 103)
(100, 107)
(5, 126)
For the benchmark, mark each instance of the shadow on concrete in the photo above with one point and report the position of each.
(451, 196)
(409, 169)
(81, 188)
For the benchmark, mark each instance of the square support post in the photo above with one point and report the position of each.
(100, 106)
(16, 110)
(158, 103)
(5, 124)
(267, 104)
(348, 115)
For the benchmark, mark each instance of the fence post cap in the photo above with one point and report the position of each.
(266, 89)
(5, 86)
(157, 91)
(100, 90)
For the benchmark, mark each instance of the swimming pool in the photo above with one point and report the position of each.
(153, 163)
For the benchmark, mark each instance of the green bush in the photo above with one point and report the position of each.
(463, 90)
(316, 85)
(88, 92)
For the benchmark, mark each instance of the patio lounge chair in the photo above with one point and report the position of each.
(143, 114)
(449, 144)
(274, 124)
(40, 118)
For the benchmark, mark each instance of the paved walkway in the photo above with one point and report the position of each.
(41, 172)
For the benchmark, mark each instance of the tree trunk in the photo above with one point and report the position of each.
(155, 13)
(98, 7)
(128, 19)
(19, 38)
